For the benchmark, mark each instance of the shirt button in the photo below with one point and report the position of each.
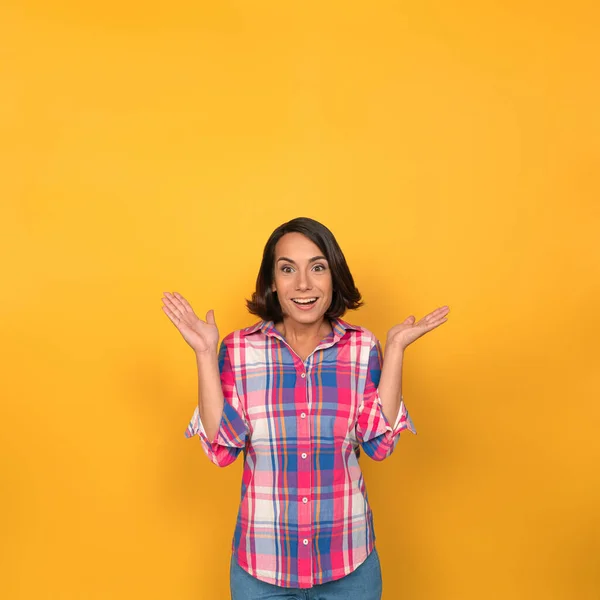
(305, 500)
(305, 542)
(304, 455)
(303, 375)
(302, 415)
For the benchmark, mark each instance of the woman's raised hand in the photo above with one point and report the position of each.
(400, 336)
(202, 336)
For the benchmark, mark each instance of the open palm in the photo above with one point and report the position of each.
(408, 331)
(202, 336)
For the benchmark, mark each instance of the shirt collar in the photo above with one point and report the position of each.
(268, 328)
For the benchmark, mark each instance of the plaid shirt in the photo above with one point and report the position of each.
(304, 515)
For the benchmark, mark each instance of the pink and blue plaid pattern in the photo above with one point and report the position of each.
(304, 516)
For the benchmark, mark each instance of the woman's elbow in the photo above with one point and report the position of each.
(380, 453)
(379, 449)
(222, 456)
(223, 461)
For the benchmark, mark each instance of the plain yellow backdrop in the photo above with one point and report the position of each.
(453, 149)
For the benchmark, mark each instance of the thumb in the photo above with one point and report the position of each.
(409, 320)
(210, 317)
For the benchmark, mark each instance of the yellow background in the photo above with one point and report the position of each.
(452, 147)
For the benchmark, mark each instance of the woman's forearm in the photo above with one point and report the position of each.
(390, 383)
(210, 392)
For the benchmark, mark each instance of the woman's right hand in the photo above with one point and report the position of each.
(202, 336)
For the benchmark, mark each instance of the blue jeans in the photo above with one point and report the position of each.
(364, 583)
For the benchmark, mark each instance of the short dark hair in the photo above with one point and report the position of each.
(346, 296)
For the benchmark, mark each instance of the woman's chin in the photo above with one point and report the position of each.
(304, 316)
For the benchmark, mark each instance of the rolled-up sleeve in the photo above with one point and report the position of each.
(233, 429)
(374, 432)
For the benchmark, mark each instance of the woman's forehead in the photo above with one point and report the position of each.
(296, 245)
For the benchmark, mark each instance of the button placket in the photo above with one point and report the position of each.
(304, 471)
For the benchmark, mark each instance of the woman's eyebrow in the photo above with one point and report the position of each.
(294, 262)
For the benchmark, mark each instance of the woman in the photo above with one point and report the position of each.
(299, 393)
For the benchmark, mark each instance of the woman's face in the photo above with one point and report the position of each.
(302, 279)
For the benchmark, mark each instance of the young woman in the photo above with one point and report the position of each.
(299, 393)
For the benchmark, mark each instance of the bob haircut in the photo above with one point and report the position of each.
(345, 295)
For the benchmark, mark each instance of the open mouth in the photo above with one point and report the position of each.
(304, 301)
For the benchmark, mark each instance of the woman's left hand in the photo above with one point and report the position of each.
(400, 336)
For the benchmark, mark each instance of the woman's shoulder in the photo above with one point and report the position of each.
(365, 335)
(238, 335)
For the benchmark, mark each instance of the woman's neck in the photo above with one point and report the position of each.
(293, 331)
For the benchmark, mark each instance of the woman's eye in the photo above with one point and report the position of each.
(286, 267)
(320, 267)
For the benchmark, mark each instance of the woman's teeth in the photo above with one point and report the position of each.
(304, 300)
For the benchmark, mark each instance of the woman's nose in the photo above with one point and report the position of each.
(302, 282)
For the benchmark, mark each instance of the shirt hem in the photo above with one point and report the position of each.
(273, 581)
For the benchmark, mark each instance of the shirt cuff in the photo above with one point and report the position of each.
(196, 427)
(403, 420)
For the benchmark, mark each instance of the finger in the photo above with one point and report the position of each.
(179, 301)
(185, 304)
(436, 314)
(210, 317)
(434, 324)
(174, 318)
(438, 322)
(172, 305)
(177, 321)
